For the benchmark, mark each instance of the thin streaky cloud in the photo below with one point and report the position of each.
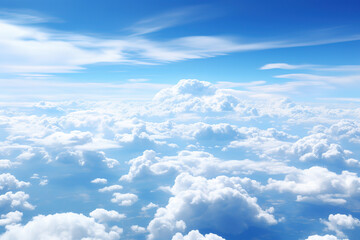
(170, 19)
(28, 49)
(286, 66)
(320, 78)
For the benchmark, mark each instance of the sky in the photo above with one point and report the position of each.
(179, 120)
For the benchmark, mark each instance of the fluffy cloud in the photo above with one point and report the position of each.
(196, 235)
(325, 237)
(99, 180)
(198, 163)
(149, 206)
(18, 199)
(138, 229)
(111, 188)
(319, 184)
(102, 215)
(9, 181)
(339, 222)
(204, 203)
(70, 226)
(192, 95)
(124, 199)
(10, 218)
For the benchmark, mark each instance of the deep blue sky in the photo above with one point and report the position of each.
(321, 33)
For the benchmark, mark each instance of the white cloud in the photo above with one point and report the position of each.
(340, 222)
(149, 206)
(6, 163)
(318, 184)
(196, 235)
(103, 216)
(124, 199)
(99, 180)
(70, 226)
(9, 181)
(202, 203)
(282, 66)
(325, 237)
(18, 199)
(198, 163)
(111, 188)
(138, 229)
(330, 79)
(10, 218)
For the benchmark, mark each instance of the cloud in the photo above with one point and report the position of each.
(60, 226)
(169, 19)
(198, 163)
(196, 235)
(325, 237)
(282, 66)
(339, 222)
(149, 206)
(319, 78)
(10, 218)
(138, 229)
(99, 180)
(9, 181)
(343, 68)
(18, 199)
(318, 184)
(204, 203)
(31, 49)
(124, 199)
(101, 215)
(111, 188)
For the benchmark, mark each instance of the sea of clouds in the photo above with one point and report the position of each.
(196, 162)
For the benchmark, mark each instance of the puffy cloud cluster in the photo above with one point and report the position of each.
(17, 199)
(229, 154)
(192, 95)
(10, 218)
(124, 199)
(318, 184)
(339, 222)
(103, 216)
(9, 181)
(70, 226)
(198, 163)
(196, 235)
(325, 237)
(220, 204)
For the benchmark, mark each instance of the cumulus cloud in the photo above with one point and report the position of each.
(318, 184)
(18, 199)
(192, 95)
(138, 229)
(340, 222)
(149, 206)
(325, 237)
(103, 216)
(124, 199)
(203, 203)
(10, 218)
(196, 235)
(60, 226)
(198, 163)
(9, 181)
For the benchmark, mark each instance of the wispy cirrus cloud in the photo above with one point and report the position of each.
(286, 66)
(32, 49)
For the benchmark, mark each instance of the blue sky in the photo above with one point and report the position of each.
(166, 41)
(179, 120)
